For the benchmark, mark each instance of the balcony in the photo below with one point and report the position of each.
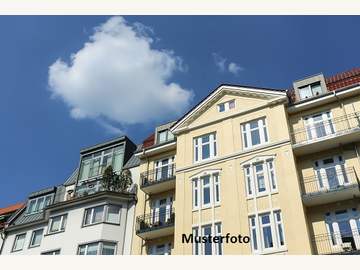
(331, 186)
(156, 225)
(326, 134)
(158, 180)
(341, 243)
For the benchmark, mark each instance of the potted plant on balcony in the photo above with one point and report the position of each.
(114, 182)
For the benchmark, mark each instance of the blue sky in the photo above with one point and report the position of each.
(44, 125)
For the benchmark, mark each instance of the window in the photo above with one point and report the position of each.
(330, 174)
(103, 213)
(266, 231)
(254, 133)
(94, 164)
(97, 248)
(164, 136)
(36, 237)
(223, 107)
(51, 252)
(279, 228)
(253, 233)
(165, 168)
(57, 224)
(319, 125)
(310, 90)
(19, 242)
(38, 204)
(206, 190)
(205, 147)
(207, 248)
(260, 178)
(163, 249)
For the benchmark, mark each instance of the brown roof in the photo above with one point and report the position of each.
(343, 79)
(149, 141)
(11, 208)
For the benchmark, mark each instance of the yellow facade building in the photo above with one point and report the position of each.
(277, 167)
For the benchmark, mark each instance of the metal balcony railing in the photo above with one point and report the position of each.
(337, 243)
(326, 128)
(336, 179)
(158, 175)
(155, 221)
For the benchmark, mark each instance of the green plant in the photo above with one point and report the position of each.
(114, 182)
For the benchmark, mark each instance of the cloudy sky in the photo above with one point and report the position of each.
(71, 82)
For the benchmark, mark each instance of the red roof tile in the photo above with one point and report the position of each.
(149, 141)
(343, 79)
(11, 208)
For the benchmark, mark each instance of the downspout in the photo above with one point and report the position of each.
(358, 156)
(3, 238)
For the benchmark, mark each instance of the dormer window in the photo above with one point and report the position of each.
(164, 136)
(223, 107)
(38, 204)
(310, 90)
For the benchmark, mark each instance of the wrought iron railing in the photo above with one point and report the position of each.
(158, 175)
(323, 182)
(331, 127)
(337, 243)
(156, 220)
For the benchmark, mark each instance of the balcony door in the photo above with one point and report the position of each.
(331, 173)
(319, 125)
(164, 168)
(344, 227)
(161, 210)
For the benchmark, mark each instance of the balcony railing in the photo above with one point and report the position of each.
(155, 221)
(326, 128)
(158, 175)
(88, 188)
(332, 180)
(337, 243)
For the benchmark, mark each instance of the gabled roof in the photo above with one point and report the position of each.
(343, 79)
(250, 90)
(11, 208)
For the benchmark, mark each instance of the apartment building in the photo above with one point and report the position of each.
(280, 166)
(155, 221)
(80, 216)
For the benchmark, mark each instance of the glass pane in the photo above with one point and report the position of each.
(92, 249)
(205, 151)
(36, 240)
(19, 242)
(305, 92)
(39, 204)
(206, 195)
(205, 139)
(268, 241)
(254, 239)
(98, 214)
(87, 217)
(162, 136)
(113, 214)
(55, 224)
(82, 250)
(316, 88)
(255, 137)
(260, 178)
(32, 206)
(232, 104)
(221, 107)
(265, 219)
(108, 249)
(85, 169)
(254, 124)
(118, 161)
(48, 200)
(281, 235)
(207, 248)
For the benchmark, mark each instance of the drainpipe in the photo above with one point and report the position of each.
(343, 108)
(358, 156)
(3, 238)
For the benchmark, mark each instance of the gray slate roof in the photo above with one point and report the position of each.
(72, 178)
(42, 191)
(132, 162)
(23, 218)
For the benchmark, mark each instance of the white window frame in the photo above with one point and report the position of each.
(158, 165)
(326, 122)
(51, 252)
(310, 89)
(226, 105)
(104, 218)
(36, 201)
(99, 247)
(168, 137)
(198, 188)
(31, 245)
(250, 176)
(63, 220)
(198, 147)
(153, 249)
(198, 231)
(16, 240)
(263, 133)
(274, 223)
(253, 228)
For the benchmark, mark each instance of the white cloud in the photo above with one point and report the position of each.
(221, 63)
(118, 78)
(234, 68)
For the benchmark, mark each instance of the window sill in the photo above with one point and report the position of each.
(102, 222)
(262, 195)
(206, 207)
(52, 233)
